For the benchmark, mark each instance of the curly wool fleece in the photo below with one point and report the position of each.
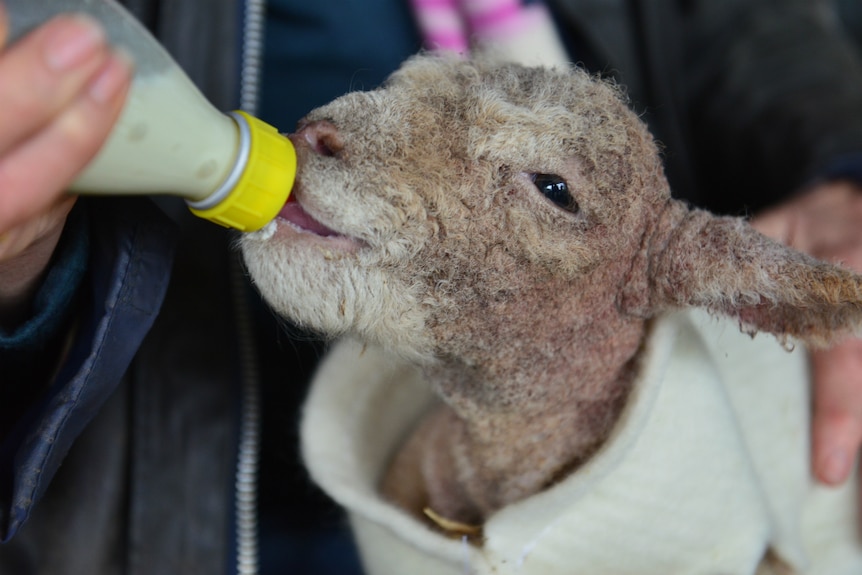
(429, 238)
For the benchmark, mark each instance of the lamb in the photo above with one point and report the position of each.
(504, 237)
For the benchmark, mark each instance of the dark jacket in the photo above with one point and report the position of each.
(155, 416)
(751, 100)
(148, 435)
(144, 412)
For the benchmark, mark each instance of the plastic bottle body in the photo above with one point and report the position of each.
(168, 140)
(236, 171)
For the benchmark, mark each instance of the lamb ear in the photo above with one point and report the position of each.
(693, 258)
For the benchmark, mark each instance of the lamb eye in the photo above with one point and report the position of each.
(556, 189)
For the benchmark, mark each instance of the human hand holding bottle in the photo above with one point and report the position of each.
(61, 90)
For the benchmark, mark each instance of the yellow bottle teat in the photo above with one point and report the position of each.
(260, 182)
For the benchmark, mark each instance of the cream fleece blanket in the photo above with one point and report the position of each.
(707, 469)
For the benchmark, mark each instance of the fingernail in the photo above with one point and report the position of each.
(835, 467)
(73, 42)
(112, 78)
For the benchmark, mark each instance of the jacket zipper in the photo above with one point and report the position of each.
(252, 52)
(248, 453)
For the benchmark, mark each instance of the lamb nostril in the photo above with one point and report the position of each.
(323, 137)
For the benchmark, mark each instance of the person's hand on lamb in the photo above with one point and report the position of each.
(826, 222)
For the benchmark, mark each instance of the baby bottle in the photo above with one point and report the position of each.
(232, 169)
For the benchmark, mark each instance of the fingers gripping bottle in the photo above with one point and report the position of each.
(232, 169)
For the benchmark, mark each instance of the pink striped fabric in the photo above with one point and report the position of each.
(454, 24)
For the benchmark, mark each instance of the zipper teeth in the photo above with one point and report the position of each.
(252, 49)
(248, 457)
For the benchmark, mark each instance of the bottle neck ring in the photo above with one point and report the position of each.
(228, 185)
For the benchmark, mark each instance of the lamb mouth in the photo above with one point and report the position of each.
(294, 214)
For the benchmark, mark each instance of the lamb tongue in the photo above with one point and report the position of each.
(294, 213)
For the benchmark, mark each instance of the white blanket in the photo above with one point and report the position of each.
(707, 469)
